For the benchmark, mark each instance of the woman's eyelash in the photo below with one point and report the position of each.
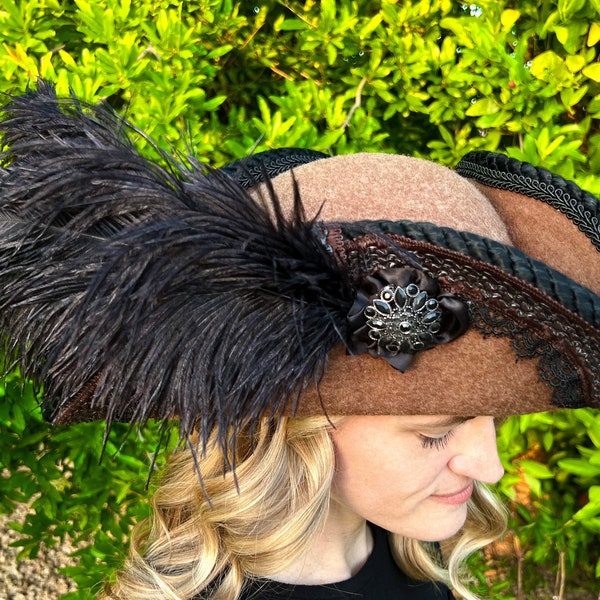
(436, 442)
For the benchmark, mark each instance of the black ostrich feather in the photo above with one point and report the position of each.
(133, 290)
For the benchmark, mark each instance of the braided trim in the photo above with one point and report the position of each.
(500, 172)
(257, 168)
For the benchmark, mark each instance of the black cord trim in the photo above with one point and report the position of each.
(255, 169)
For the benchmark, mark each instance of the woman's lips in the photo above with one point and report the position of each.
(459, 497)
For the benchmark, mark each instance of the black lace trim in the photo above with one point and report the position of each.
(553, 367)
(501, 172)
(501, 305)
(254, 169)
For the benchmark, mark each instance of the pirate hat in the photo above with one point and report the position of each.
(289, 282)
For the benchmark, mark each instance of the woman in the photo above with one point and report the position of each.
(294, 524)
(335, 336)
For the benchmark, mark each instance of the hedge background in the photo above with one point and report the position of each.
(430, 78)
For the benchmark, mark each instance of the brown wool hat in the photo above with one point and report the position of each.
(494, 367)
(288, 282)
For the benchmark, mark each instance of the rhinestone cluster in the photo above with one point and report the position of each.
(403, 319)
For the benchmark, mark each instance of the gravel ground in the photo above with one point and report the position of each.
(30, 579)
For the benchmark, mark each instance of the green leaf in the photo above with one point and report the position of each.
(593, 524)
(213, 103)
(509, 17)
(536, 469)
(493, 121)
(568, 8)
(328, 11)
(447, 136)
(485, 106)
(550, 146)
(578, 466)
(371, 25)
(331, 54)
(220, 51)
(292, 25)
(592, 71)
(534, 484)
(548, 66)
(589, 511)
(593, 35)
(570, 97)
(575, 62)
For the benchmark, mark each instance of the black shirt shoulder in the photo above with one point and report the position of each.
(379, 579)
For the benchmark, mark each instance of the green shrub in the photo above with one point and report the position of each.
(78, 486)
(552, 463)
(430, 78)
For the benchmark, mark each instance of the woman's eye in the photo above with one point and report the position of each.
(437, 442)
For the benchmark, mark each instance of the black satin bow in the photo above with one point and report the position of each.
(398, 312)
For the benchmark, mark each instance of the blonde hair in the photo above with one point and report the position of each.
(254, 521)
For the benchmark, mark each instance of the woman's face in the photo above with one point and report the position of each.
(412, 475)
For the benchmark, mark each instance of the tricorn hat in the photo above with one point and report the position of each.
(289, 282)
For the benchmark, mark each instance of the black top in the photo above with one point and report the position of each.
(379, 579)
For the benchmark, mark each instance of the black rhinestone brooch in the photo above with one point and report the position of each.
(399, 312)
(403, 319)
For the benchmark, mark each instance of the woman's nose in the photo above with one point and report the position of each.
(477, 456)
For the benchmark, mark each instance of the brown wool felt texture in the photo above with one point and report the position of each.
(471, 376)
(388, 186)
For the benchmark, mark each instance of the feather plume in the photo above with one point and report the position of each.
(134, 290)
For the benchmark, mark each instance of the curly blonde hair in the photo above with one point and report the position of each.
(208, 540)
